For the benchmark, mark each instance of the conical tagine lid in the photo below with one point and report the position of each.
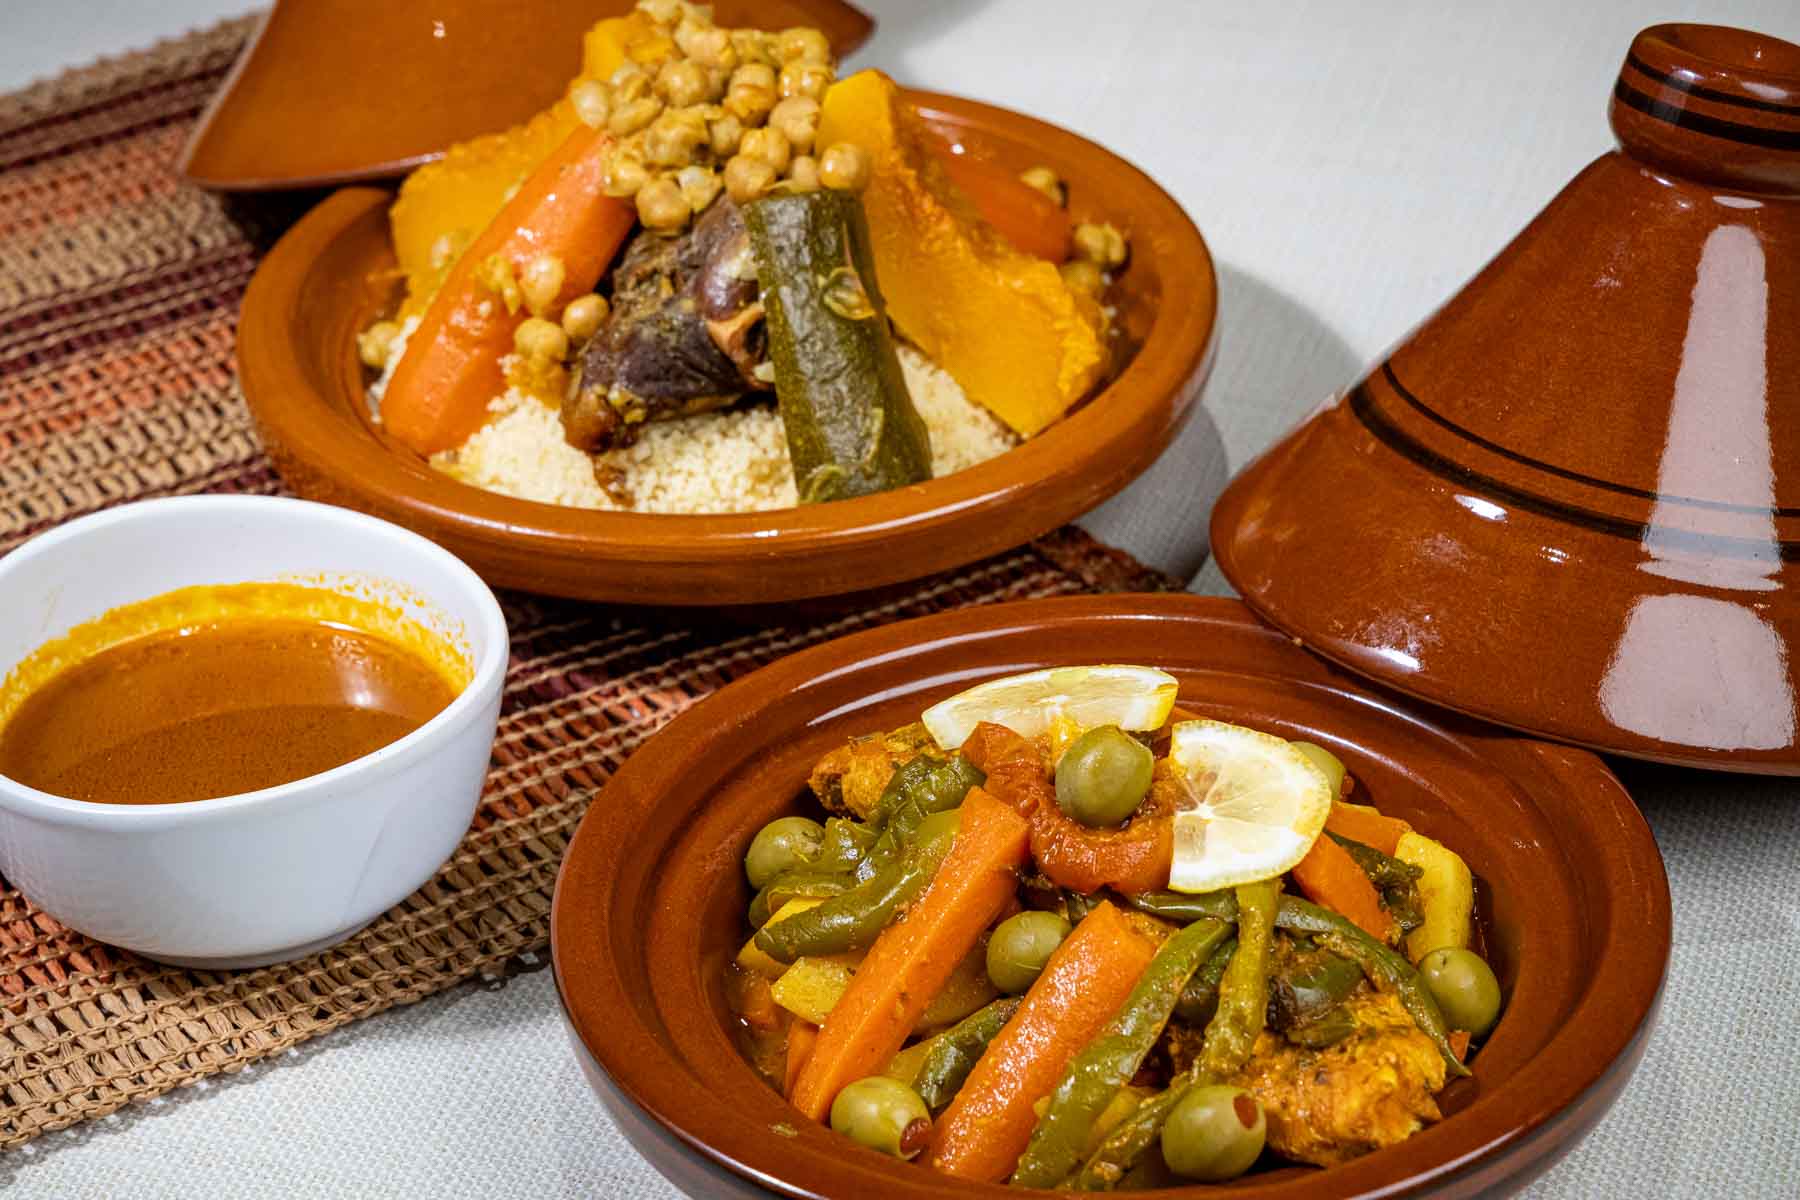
(1570, 502)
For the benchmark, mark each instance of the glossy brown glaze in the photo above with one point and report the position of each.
(651, 896)
(297, 360)
(341, 91)
(1570, 501)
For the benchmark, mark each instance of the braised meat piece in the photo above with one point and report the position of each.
(685, 334)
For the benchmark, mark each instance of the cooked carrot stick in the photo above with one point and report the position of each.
(911, 960)
(985, 1129)
(1329, 876)
(802, 1037)
(451, 369)
(1024, 216)
(1365, 824)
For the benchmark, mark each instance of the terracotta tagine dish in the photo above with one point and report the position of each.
(1570, 501)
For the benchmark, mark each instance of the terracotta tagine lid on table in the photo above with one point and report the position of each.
(1570, 501)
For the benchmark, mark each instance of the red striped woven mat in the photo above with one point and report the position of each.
(119, 290)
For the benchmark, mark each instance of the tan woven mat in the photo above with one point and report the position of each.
(119, 290)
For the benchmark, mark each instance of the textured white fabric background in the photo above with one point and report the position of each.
(1350, 164)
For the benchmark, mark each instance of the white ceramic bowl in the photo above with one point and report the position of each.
(268, 875)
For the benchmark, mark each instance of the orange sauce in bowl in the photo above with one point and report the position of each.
(216, 691)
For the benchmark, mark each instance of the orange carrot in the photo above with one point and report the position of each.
(1362, 823)
(1024, 216)
(985, 1129)
(451, 369)
(802, 1037)
(911, 960)
(1459, 1044)
(1329, 876)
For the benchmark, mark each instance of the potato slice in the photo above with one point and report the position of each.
(1446, 891)
(812, 987)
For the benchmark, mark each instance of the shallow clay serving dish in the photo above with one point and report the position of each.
(650, 901)
(1570, 502)
(305, 386)
(482, 64)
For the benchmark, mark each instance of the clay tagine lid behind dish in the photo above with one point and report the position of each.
(1570, 502)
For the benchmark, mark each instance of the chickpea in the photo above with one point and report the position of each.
(1101, 244)
(797, 118)
(801, 44)
(630, 82)
(727, 134)
(625, 173)
(845, 166)
(746, 177)
(633, 115)
(754, 46)
(1046, 181)
(682, 83)
(768, 144)
(805, 79)
(707, 45)
(700, 185)
(661, 205)
(538, 339)
(581, 319)
(803, 173)
(752, 93)
(673, 137)
(374, 343)
(1083, 277)
(592, 101)
(541, 282)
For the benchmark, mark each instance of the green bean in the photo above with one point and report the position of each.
(789, 885)
(1244, 988)
(845, 845)
(1122, 1150)
(957, 1050)
(918, 788)
(1200, 999)
(1327, 1030)
(1305, 990)
(854, 918)
(1385, 968)
(1179, 906)
(1383, 871)
(1095, 1075)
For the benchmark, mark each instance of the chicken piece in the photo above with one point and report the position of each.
(685, 334)
(849, 780)
(1373, 1089)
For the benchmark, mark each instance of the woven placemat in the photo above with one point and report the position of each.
(119, 290)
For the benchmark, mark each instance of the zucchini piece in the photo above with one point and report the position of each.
(851, 426)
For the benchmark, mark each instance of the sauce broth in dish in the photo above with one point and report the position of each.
(216, 691)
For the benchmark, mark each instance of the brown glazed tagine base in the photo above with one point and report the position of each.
(1570, 501)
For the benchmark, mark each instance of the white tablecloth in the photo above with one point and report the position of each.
(1350, 165)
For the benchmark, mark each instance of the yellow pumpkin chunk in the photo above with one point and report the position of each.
(1001, 322)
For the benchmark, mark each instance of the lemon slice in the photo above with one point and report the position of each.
(1258, 804)
(1039, 701)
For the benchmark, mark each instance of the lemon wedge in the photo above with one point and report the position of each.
(1038, 702)
(1257, 805)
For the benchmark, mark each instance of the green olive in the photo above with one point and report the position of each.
(882, 1114)
(1020, 946)
(1327, 762)
(1214, 1134)
(1464, 987)
(1103, 776)
(782, 845)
